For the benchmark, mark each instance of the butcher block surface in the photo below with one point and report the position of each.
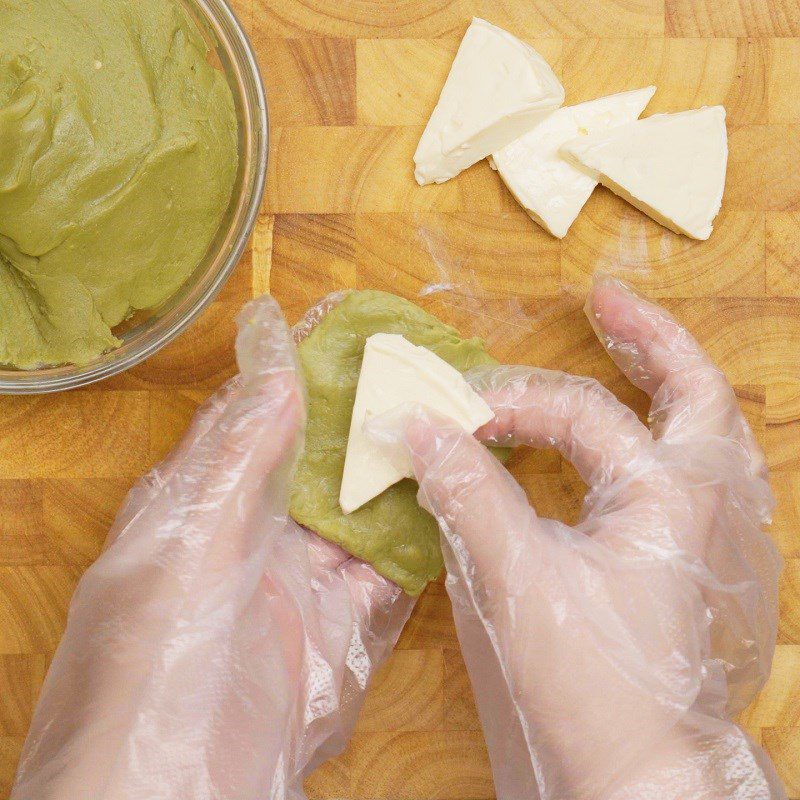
(351, 84)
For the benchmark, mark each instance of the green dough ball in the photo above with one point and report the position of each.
(391, 532)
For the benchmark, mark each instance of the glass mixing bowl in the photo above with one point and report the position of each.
(148, 331)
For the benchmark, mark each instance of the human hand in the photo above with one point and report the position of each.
(215, 649)
(607, 658)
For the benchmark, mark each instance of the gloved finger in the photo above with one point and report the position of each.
(691, 397)
(270, 354)
(201, 423)
(256, 431)
(378, 606)
(261, 420)
(323, 555)
(365, 586)
(646, 343)
(151, 484)
(264, 343)
(253, 437)
(372, 596)
(476, 502)
(349, 618)
(541, 408)
(262, 414)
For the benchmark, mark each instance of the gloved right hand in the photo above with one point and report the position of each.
(607, 658)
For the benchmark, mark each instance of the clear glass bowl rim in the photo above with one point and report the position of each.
(220, 16)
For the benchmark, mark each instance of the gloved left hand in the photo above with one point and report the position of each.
(215, 649)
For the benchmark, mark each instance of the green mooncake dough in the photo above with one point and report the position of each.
(391, 532)
(118, 155)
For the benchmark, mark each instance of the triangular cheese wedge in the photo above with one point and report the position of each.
(670, 166)
(550, 188)
(394, 372)
(498, 88)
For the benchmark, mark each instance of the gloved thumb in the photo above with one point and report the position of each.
(482, 512)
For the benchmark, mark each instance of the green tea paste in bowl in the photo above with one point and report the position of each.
(118, 155)
(391, 532)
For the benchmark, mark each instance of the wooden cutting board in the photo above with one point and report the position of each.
(350, 84)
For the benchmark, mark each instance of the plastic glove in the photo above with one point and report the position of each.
(215, 649)
(607, 658)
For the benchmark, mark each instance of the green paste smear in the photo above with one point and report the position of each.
(118, 155)
(391, 532)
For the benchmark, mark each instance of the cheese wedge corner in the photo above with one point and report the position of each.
(670, 166)
(393, 372)
(498, 88)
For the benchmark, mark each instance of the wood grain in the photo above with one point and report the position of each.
(351, 84)
(612, 236)
(77, 434)
(407, 694)
(688, 72)
(708, 18)
(399, 80)
(460, 713)
(21, 542)
(317, 79)
(778, 705)
(783, 746)
(10, 749)
(784, 74)
(783, 261)
(789, 624)
(76, 515)
(435, 18)
(388, 765)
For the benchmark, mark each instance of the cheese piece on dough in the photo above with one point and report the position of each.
(670, 166)
(394, 372)
(547, 186)
(498, 88)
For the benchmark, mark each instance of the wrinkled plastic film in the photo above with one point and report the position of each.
(315, 314)
(422, 261)
(458, 293)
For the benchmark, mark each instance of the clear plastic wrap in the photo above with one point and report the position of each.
(608, 658)
(312, 317)
(215, 649)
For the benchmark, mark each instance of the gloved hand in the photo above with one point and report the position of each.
(215, 649)
(607, 658)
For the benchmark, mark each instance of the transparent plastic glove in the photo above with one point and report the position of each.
(607, 658)
(215, 649)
